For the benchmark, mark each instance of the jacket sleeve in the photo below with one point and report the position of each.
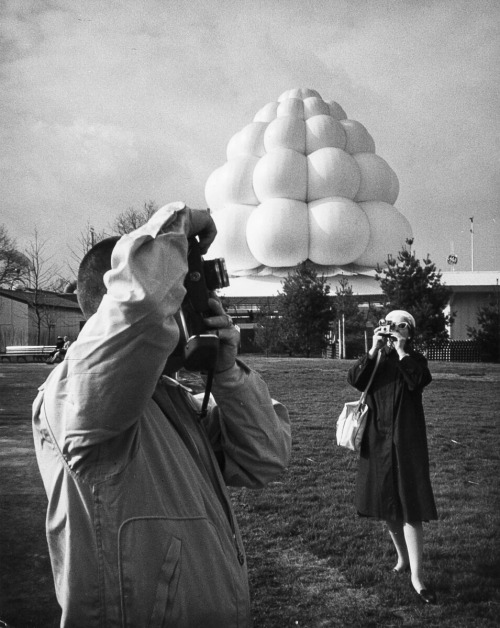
(248, 430)
(415, 371)
(111, 370)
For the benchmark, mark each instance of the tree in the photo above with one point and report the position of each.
(42, 275)
(417, 288)
(488, 334)
(125, 222)
(14, 266)
(350, 318)
(132, 218)
(86, 240)
(306, 310)
(267, 328)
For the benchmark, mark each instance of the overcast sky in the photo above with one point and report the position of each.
(107, 104)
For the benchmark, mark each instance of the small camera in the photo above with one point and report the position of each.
(202, 278)
(384, 330)
(198, 346)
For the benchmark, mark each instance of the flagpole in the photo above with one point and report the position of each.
(472, 243)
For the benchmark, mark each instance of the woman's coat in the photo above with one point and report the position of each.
(393, 480)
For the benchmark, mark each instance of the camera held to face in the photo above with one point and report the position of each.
(198, 346)
(384, 330)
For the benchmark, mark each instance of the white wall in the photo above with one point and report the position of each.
(14, 321)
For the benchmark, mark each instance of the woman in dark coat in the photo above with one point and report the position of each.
(393, 482)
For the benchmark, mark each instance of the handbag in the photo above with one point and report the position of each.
(352, 420)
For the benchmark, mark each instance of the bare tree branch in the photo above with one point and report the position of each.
(13, 264)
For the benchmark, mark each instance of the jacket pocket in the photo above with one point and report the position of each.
(179, 572)
(168, 579)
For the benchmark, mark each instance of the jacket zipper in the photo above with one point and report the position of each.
(215, 472)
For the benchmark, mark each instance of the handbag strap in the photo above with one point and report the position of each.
(363, 396)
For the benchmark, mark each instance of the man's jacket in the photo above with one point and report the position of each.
(140, 527)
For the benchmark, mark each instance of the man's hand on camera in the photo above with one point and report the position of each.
(228, 333)
(200, 223)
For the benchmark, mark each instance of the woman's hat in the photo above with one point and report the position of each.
(405, 316)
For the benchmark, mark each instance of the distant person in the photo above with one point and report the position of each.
(58, 347)
(66, 346)
(60, 352)
(393, 482)
(140, 525)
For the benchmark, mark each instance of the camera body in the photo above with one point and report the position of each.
(198, 346)
(203, 277)
(384, 330)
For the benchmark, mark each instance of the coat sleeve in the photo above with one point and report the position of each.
(111, 370)
(249, 431)
(415, 371)
(359, 374)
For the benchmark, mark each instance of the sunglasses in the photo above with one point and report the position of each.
(394, 325)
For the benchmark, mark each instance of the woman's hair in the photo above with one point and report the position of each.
(90, 285)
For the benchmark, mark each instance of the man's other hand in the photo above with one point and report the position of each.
(229, 334)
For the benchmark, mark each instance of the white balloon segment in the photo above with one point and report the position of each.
(303, 181)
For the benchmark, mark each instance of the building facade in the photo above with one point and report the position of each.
(37, 318)
(469, 292)
(29, 318)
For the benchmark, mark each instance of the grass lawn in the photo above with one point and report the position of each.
(313, 563)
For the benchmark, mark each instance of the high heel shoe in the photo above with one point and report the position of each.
(427, 596)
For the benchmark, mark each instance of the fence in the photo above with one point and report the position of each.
(453, 351)
(448, 351)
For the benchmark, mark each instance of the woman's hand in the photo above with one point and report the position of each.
(399, 343)
(377, 343)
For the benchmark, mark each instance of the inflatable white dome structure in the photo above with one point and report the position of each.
(303, 181)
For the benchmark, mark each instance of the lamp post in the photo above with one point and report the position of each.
(472, 243)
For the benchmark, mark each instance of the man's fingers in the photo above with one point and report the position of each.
(220, 321)
(215, 305)
(207, 239)
(203, 226)
(227, 333)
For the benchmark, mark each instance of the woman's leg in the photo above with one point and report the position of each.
(396, 530)
(413, 535)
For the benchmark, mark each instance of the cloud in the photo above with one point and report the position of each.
(108, 104)
(88, 150)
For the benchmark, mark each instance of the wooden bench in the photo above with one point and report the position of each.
(22, 353)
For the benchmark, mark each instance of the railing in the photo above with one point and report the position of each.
(453, 351)
(446, 351)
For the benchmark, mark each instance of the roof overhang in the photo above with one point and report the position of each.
(363, 284)
(472, 281)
